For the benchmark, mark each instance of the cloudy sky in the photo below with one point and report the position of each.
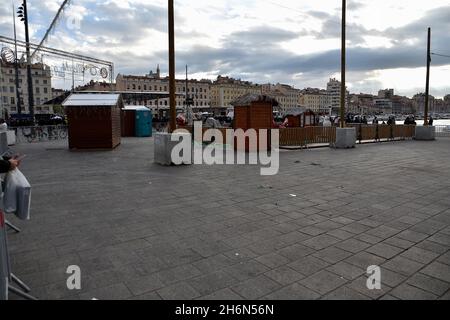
(289, 41)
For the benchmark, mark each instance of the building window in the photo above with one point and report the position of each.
(45, 90)
(13, 101)
(45, 81)
(11, 89)
(38, 90)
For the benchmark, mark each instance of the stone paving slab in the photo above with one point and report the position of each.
(141, 231)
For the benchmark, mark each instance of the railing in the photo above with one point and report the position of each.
(307, 136)
(370, 133)
(442, 131)
(40, 133)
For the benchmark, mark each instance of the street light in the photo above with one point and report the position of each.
(23, 15)
(343, 62)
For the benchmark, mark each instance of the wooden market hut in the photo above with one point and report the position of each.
(301, 117)
(253, 111)
(94, 120)
(136, 121)
(128, 121)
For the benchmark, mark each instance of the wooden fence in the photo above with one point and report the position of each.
(308, 136)
(368, 133)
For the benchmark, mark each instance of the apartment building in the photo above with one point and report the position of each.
(287, 96)
(42, 88)
(225, 90)
(314, 99)
(197, 91)
(334, 93)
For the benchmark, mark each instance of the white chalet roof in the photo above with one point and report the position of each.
(136, 108)
(90, 99)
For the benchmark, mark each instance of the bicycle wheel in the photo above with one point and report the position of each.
(31, 138)
(43, 136)
(63, 133)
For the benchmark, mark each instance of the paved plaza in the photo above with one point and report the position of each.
(141, 231)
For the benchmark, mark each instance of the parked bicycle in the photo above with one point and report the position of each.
(35, 134)
(56, 133)
(40, 133)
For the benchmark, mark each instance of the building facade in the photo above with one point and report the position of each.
(197, 91)
(334, 93)
(287, 96)
(315, 99)
(225, 90)
(419, 103)
(42, 89)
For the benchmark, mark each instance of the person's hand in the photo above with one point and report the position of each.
(14, 163)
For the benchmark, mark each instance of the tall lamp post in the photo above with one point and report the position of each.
(343, 62)
(172, 88)
(23, 14)
(427, 88)
(16, 66)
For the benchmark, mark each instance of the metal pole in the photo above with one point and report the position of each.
(173, 111)
(187, 82)
(343, 87)
(427, 90)
(30, 80)
(16, 64)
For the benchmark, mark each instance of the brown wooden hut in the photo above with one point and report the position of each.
(253, 111)
(301, 117)
(94, 120)
(128, 122)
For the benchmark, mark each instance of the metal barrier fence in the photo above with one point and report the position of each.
(442, 131)
(40, 133)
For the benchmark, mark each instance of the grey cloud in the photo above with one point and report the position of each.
(355, 5)
(260, 36)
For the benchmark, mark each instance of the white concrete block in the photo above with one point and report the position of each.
(11, 134)
(164, 145)
(427, 133)
(345, 138)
